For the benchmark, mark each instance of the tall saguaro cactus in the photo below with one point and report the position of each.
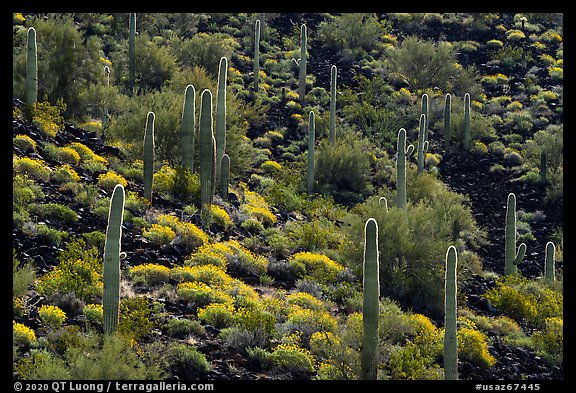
(447, 120)
(111, 272)
(188, 127)
(550, 263)
(422, 143)
(450, 309)
(333, 72)
(256, 54)
(149, 156)
(403, 152)
(302, 65)
(512, 258)
(466, 141)
(132, 53)
(220, 133)
(206, 149)
(371, 304)
(105, 113)
(311, 141)
(31, 69)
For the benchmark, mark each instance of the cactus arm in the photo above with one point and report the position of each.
(447, 120)
(422, 143)
(149, 156)
(450, 312)
(333, 73)
(220, 115)
(31, 69)
(512, 256)
(188, 127)
(311, 140)
(425, 112)
(111, 270)
(371, 302)
(383, 201)
(520, 254)
(549, 267)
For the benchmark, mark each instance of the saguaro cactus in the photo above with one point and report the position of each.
(206, 149)
(424, 107)
(403, 152)
(512, 258)
(111, 272)
(31, 69)
(132, 53)
(333, 72)
(550, 263)
(149, 156)
(371, 304)
(422, 143)
(105, 114)
(450, 309)
(221, 113)
(224, 176)
(466, 140)
(447, 118)
(256, 54)
(311, 140)
(188, 127)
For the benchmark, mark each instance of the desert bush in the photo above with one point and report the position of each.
(292, 358)
(473, 347)
(22, 334)
(110, 179)
(94, 313)
(149, 273)
(134, 322)
(549, 342)
(24, 143)
(317, 266)
(54, 211)
(219, 315)
(51, 316)
(33, 167)
(182, 327)
(187, 362)
(159, 235)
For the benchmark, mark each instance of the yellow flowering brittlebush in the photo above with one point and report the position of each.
(22, 334)
(93, 313)
(150, 273)
(52, 316)
(159, 235)
(86, 153)
(317, 266)
(255, 206)
(110, 179)
(291, 357)
(34, 167)
(219, 315)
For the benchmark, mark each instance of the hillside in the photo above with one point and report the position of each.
(255, 270)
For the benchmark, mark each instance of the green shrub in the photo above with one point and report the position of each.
(549, 342)
(187, 362)
(473, 347)
(292, 358)
(218, 315)
(182, 327)
(35, 168)
(317, 266)
(54, 211)
(24, 143)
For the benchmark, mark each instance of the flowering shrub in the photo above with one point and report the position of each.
(52, 316)
(24, 142)
(64, 174)
(86, 154)
(316, 266)
(22, 334)
(35, 168)
(305, 300)
(149, 273)
(200, 294)
(207, 255)
(293, 358)
(220, 217)
(93, 313)
(71, 276)
(159, 235)
(255, 206)
(219, 315)
(67, 155)
(110, 179)
(549, 342)
(189, 235)
(473, 347)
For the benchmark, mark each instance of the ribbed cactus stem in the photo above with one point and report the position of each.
(450, 309)
(224, 176)
(422, 143)
(512, 257)
(220, 131)
(333, 73)
(188, 127)
(466, 141)
(447, 120)
(31, 69)
(371, 304)
(105, 113)
(550, 263)
(132, 52)
(149, 156)
(111, 270)
(424, 107)
(206, 149)
(311, 141)
(403, 152)
(302, 65)
(256, 54)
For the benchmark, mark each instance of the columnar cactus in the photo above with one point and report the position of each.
(224, 176)
(450, 309)
(311, 140)
(206, 149)
(31, 69)
(256, 54)
(550, 263)
(188, 127)
(424, 106)
(132, 53)
(383, 201)
(220, 126)
(512, 258)
(403, 152)
(371, 304)
(447, 118)
(112, 256)
(422, 143)
(302, 65)
(466, 140)
(105, 113)
(333, 71)
(149, 156)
